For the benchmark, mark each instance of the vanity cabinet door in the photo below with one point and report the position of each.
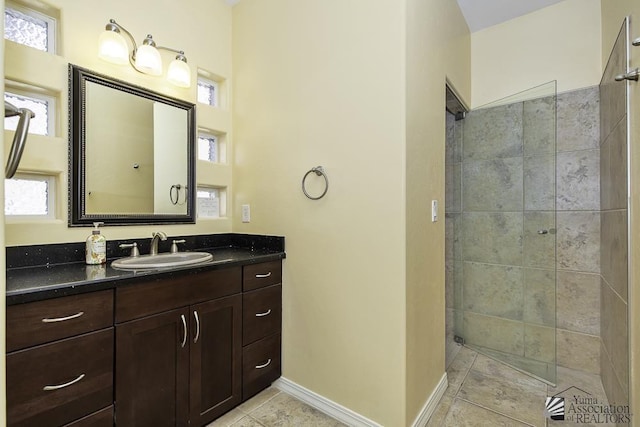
(152, 370)
(216, 352)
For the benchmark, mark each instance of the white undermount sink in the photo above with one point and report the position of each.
(164, 260)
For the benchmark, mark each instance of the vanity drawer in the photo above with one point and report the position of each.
(56, 383)
(261, 313)
(256, 276)
(102, 418)
(144, 299)
(260, 365)
(45, 321)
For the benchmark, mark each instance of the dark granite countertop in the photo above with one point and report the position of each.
(29, 283)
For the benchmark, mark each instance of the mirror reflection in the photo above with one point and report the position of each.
(133, 153)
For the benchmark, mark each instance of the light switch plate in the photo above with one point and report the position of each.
(434, 210)
(246, 213)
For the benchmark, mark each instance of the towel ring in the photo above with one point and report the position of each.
(319, 171)
(178, 187)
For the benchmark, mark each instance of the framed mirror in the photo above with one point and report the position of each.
(131, 153)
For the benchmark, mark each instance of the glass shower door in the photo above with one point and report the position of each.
(505, 251)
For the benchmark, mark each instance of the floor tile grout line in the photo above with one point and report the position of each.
(256, 420)
(251, 414)
(464, 378)
(471, 367)
(496, 412)
(548, 390)
(507, 365)
(262, 404)
(444, 418)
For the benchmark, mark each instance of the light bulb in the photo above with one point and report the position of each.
(148, 60)
(113, 48)
(179, 73)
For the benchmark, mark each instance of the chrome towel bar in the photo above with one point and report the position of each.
(19, 139)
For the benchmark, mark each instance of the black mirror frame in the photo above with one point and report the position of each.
(77, 140)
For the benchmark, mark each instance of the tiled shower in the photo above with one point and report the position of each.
(536, 231)
(523, 232)
(614, 354)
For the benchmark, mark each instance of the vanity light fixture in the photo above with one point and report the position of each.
(112, 47)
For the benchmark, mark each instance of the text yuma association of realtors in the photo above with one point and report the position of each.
(588, 410)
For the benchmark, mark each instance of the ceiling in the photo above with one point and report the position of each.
(486, 13)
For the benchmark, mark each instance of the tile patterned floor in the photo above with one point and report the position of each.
(484, 392)
(274, 408)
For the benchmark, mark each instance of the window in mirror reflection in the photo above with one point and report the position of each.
(208, 148)
(208, 202)
(29, 27)
(29, 196)
(42, 106)
(207, 92)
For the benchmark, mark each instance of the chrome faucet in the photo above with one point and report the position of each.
(155, 236)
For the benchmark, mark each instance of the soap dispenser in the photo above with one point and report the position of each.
(96, 250)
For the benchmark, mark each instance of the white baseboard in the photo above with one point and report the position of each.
(349, 417)
(432, 402)
(323, 404)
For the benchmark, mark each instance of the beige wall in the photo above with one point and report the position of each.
(560, 42)
(358, 88)
(81, 22)
(322, 83)
(613, 12)
(438, 49)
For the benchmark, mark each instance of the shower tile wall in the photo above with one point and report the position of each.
(578, 223)
(453, 202)
(614, 258)
(508, 276)
(500, 271)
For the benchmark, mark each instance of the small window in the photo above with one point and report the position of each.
(30, 196)
(29, 28)
(208, 92)
(209, 202)
(208, 148)
(42, 106)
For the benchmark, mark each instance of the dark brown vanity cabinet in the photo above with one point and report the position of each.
(177, 349)
(261, 326)
(181, 365)
(60, 361)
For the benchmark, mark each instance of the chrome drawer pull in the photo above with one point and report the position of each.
(266, 313)
(195, 315)
(264, 365)
(62, 319)
(262, 276)
(184, 327)
(58, 387)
